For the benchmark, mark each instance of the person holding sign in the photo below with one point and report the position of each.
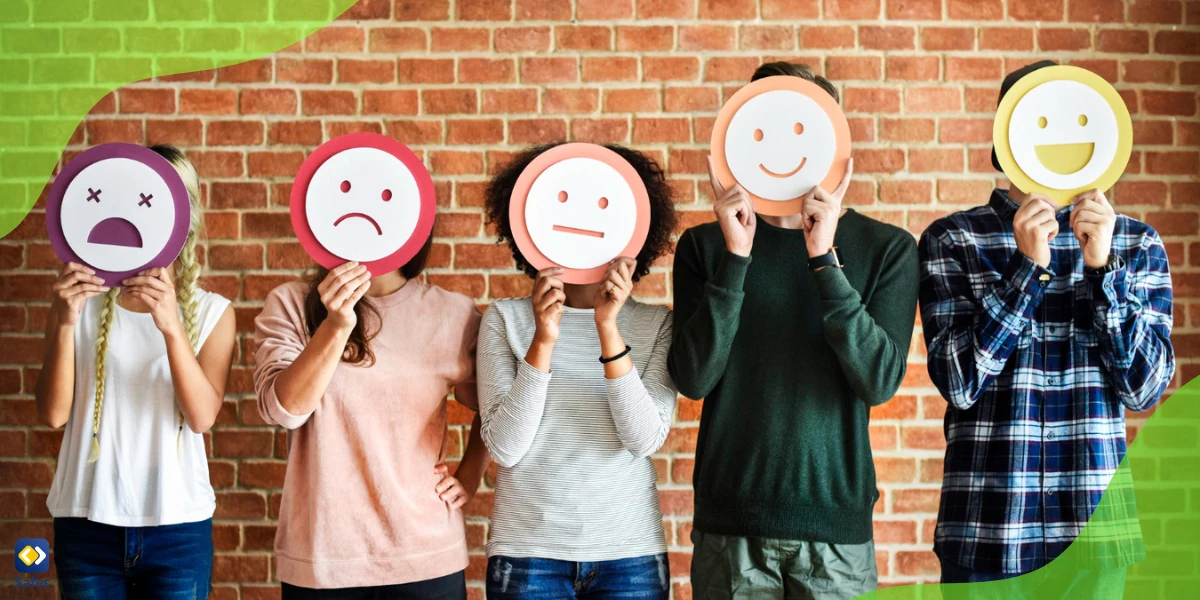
(792, 324)
(1046, 315)
(573, 382)
(356, 364)
(136, 373)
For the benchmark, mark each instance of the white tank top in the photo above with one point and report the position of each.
(142, 478)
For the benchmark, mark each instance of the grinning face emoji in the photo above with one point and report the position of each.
(779, 137)
(365, 198)
(579, 206)
(120, 209)
(1062, 130)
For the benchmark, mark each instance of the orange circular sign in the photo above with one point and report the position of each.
(778, 137)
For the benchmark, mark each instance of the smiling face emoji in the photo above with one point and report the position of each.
(1062, 130)
(779, 137)
(579, 206)
(363, 197)
(120, 209)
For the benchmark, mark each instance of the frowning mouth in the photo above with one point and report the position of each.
(361, 216)
(784, 175)
(577, 231)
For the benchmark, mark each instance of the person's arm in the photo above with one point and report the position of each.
(56, 383)
(459, 489)
(512, 392)
(969, 339)
(1131, 312)
(871, 340)
(642, 405)
(706, 317)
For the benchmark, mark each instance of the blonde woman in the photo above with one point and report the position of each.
(137, 375)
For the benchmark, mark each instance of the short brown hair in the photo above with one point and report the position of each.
(800, 70)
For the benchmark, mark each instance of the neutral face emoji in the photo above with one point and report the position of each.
(362, 204)
(1063, 144)
(118, 214)
(779, 145)
(581, 213)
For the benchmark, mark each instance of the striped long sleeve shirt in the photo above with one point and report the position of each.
(575, 479)
(1038, 365)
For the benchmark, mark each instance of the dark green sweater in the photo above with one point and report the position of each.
(789, 363)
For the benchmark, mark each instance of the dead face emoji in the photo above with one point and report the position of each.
(364, 198)
(579, 206)
(120, 209)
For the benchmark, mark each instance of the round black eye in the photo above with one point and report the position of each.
(345, 187)
(386, 195)
(562, 196)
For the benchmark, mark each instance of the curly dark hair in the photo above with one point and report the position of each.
(662, 204)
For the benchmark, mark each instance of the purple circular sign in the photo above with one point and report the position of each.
(119, 209)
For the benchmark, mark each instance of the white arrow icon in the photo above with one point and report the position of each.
(26, 555)
(41, 556)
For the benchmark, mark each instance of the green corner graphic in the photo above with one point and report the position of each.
(58, 58)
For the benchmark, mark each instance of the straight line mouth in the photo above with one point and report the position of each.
(361, 216)
(784, 175)
(577, 231)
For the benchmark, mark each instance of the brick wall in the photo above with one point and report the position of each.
(465, 82)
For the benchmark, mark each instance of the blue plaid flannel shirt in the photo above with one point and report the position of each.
(1038, 366)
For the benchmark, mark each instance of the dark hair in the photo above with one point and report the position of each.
(662, 204)
(358, 347)
(800, 70)
(1010, 80)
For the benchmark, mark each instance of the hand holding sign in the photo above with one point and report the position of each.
(778, 137)
(363, 197)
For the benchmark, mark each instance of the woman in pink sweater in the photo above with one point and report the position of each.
(358, 369)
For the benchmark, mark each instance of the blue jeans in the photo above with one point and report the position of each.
(104, 561)
(641, 578)
(1097, 585)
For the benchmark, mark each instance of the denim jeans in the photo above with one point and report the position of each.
(112, 563)
(1101, 584)
(640, 578)
(448, 587)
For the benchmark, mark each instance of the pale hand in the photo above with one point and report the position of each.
(1092, 221)
(1034, 225)
(452, 491)
(614, 290)
(820, 213)
(76, 283)
(548, 300)
(735, 214)
(156, 290)
(340, 291)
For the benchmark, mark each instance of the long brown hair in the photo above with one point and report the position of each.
(358, 347)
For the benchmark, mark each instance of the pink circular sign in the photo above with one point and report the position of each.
(579, 206)
(119, 209)
(363, 197)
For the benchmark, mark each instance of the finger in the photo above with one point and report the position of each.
(459, 502)
(712, 179)
(441, 468)
(340, 298)
(68, 280)
(625, 269)
(446, 483)
(844, 185)
(149, 282)
(72, 267)
(86, 288)
(344, 276)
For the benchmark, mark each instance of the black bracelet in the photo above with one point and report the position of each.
(605, 361)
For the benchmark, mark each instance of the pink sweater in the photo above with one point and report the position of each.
(359, 506)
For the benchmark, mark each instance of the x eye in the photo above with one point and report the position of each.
(93, 195)
(758, 135)
(146, 200)
(345, 187)
(798, 128)
(386, 195)
(1082, 120)
(603, 203)
(1042, 122)
(562, 196)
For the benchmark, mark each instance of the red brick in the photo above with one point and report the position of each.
(268, 101)
(871, 37)
(451, 162)
(1123, 41)
(366, 71)
(449, 101)
(299, 133)
(235, 133)
(1156, 11)
(396, 39)
(651, 130)
(1036, 10)
(1177, 42)
(707, 37)
(970, 68)
(1095, 11)
(666, 9)
(691, 99)
(328, 102)
(1064, 39)
(610, 69)
(871, 100)
(308, 70)
(970, 10)
(767, 37)
(549, 69)
(537, 131)
(588, 38)
(603, 10)
(522, 39)
(645, 38)
(390, 102)
(422, 10)
(146, 101)
(106, 131)
(947, 38)
(906, 130)
(844, 68)
(474, 131)
(913, 68)
(1181, 104)
(600, 131)
(915, 10)
(425, 70)
(567, 100)
(509, 101)
(207, 102)
(460, 39)
(826, 36)
(670, 68)
(1006, 38)
(852, 9)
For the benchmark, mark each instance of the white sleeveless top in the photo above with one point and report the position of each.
(142, 478)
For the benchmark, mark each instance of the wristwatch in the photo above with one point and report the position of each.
(829, 259)
(1114, 263)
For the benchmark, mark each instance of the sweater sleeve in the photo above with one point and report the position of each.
(512, 393)
(642, 405)
(871, 340)
(280, 335)
(707, 313)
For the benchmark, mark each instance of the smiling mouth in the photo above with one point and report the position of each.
(577, 231)
(1065, 159)
(361, 216)
(784, 175)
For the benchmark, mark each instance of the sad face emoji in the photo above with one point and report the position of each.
(363, 197)
(1062, 130)
(779, 137)
(579, 206)
(120, 209)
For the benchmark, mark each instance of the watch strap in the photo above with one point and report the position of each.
(829, 259)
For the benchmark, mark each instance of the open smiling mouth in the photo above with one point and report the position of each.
(361, 216)
(784, 175)
(1064, 159)
(577, 231)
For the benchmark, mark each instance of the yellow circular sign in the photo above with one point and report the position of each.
(1062, 130)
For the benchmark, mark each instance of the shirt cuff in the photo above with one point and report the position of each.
(731, 271)
(833, 285)
(1107, 287)
(1026, 276)
(280, 415)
